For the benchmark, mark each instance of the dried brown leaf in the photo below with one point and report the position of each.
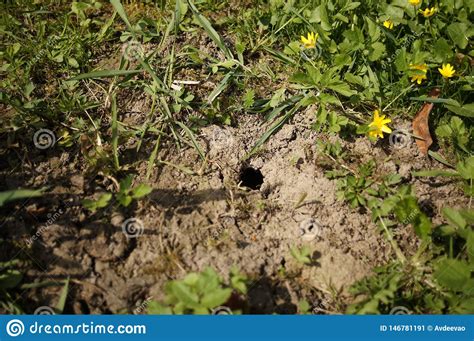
(421, 127)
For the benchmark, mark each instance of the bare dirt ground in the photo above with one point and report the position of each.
(230, 211)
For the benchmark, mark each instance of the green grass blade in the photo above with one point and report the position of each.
(153, 75)
(224, 83)
(17, 194)
(193, 139)
(435, 172)
(121, 11)
(104, 74)
(435, 100)
(170, 118)
(62, 299)
(439, 158)
(115, 132)
(278, 124)
(211, 32)
(183, 169)
(280, 56)
(152, 158)
(286, 104)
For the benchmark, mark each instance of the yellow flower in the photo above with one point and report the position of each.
(388, 24)
(414, 2)
(421, 76)
(378, 125)
(428, 12)
(310, 42)
(447, 71)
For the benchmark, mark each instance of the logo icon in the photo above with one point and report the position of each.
(221, 311)
(15, 328)
(400, 310)
(310, 229)
(44, 310)
(132, 50)
(132, 227)
(400, 139)
(44, 139)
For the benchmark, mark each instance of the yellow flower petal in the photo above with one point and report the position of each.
(378, 125)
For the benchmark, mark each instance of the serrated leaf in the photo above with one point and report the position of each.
(466, 168)
(378, 49)
(156, 308)
(454, 218)
(184, 294)
(216, 298)
(342, 88)
(452, 274)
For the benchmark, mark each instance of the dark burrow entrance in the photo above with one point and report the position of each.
(251, 178)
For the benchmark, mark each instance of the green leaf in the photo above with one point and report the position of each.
(17, 194)
(435, 172)
(438, 157)
(378, 49)
(211, 32)
(422, 226)
(320, 15)
(115, 134)
(156, 308)
(302, 256)
(449, 101)
(209, 281)
(280, 56)
(238, 281)
(249, 98)
(466, 168)
(103, 200)
(466, 110)
(442, 50)
(120, 10)
(223, 84)
(124, 200)
(458, 33)
(104, 74)
(276, 126)
(73, 62)
(180, 11)
(10, 279)
(193, 139)
(354, 79)
(470, 246)
(342, 88)
(454, 218)
(216, 298)
(63, 297)
(126, 183)
(184, 294)
(141, 190)
(452, 274)
(303, 307)
(191, 279)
